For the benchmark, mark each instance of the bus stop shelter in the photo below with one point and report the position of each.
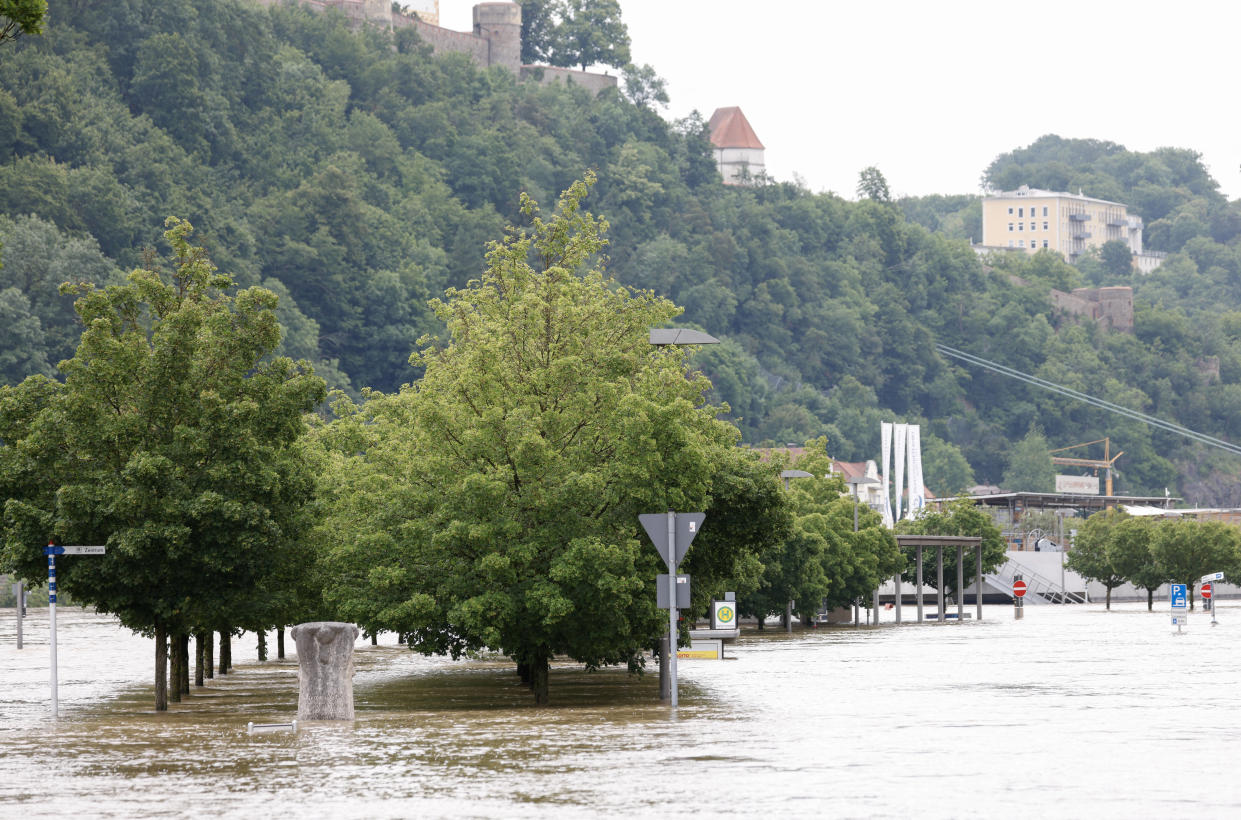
(961, 543)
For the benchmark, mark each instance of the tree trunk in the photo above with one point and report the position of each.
(280, 643)
(174, 668)
(762, 619)
(200, 651)
(209, 653)
(262, 647)
(1150, 600)
(788, 617)
(161, 669)
(539, 673)
(183, 644)
(523, 672)
(374, 639)
(1108, 605)
(226, 655)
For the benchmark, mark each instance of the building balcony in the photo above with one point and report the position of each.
(1117, 222)
(1079, 217)
(1082, 235)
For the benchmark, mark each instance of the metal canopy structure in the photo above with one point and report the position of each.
(961, 542)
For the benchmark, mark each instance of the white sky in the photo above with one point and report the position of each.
(931, 93)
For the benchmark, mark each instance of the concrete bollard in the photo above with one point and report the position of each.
(325, 670)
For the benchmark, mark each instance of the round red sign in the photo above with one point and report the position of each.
(1206, 592)
(1019, 588)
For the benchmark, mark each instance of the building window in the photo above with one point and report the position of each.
(1010, 211)
(1021, 243)
(1044, 224)
(1044, 210)
(1021, 226)
(1044, 243)
(1010, 225)
(1021, 212)
(1010, 243)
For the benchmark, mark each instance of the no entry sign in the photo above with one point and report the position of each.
(1019, 588)
(1206, 592)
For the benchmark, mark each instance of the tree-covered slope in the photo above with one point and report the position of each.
(358, 177)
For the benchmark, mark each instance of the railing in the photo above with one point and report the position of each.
(1039, 590)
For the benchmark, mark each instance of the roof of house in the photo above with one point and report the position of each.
(730, 129)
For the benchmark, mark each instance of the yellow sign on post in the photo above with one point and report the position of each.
(723, 614)
(709, 650)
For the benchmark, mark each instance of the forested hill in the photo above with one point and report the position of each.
(357, 176)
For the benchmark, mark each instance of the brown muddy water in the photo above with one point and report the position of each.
(1072, 711)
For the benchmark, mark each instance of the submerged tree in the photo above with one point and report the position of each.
(961, 517)
(494, 503)
(1090, 556)
(171, 442)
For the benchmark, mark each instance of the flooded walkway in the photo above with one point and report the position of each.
(1072, 710)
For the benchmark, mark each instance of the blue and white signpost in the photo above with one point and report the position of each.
(1212, 578)
(51, 551)
(1180, 606)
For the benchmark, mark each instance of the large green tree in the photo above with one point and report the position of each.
(494, 502)
(171, 442)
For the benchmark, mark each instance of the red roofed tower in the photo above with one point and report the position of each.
(738, 153)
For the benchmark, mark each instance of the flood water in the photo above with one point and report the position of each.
(1072, 711)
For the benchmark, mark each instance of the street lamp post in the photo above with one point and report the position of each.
(855, 482)
(788, 605)
(668, 660)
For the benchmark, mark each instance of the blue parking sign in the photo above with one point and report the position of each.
(1180, 600)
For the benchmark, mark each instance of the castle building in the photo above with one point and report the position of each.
(494, 41)
(1031, 219)
(738, 152)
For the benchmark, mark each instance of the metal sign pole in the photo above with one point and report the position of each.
(51, 608)
(19, 592)
(672, 607)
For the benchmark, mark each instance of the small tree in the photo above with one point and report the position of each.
(1089, 557)
(1128, 550)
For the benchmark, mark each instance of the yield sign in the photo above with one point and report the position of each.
(686, 528)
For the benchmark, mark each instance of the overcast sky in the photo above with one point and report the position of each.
(932, 92)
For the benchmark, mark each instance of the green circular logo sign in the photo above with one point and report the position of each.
(724, 614)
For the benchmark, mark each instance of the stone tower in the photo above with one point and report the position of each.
(500, 25)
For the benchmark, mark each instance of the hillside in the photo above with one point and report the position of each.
(358, 176)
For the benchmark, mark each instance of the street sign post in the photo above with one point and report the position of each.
(1208, 592)
(1179, 598)
(19, 592)
(1019, 592)
(672, 533)
(51, 551)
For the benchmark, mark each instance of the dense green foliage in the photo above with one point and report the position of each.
(357, 177)
(172, 441)
(955, 518)
(495, 503)
(1113, 548)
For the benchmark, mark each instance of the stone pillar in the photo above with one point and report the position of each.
(325, 670)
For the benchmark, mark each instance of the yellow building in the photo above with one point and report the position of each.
(1031, 219)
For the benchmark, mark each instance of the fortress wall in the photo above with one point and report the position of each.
(447, 41)
(546, 75)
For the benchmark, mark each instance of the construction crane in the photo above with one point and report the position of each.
(1096, 464)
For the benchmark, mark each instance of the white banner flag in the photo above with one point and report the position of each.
(917, 492)
(900, 436)
(885, 437)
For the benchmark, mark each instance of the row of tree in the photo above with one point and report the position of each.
(490, 505)
(1114, 548)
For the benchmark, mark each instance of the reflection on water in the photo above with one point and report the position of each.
(1072, 710)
